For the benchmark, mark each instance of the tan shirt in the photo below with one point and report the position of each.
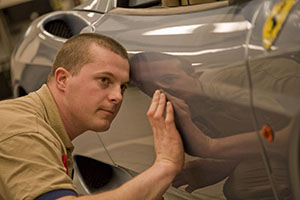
(33, 142)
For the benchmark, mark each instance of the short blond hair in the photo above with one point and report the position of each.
(75, 52)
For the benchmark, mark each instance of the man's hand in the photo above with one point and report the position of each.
(167, 141)
(153, 182)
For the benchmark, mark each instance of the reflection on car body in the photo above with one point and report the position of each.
(202, 107)
(224, 85)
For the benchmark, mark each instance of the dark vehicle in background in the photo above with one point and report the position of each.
(232, 70)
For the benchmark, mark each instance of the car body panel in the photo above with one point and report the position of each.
(181, 35)
(239, 93)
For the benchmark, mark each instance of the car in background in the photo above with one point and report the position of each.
(238, 77)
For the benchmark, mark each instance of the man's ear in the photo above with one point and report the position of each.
(61, 77)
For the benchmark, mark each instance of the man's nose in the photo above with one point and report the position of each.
(116, 95)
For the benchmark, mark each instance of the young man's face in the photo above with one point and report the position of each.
(94, 95)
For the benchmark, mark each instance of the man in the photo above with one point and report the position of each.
(84, 92)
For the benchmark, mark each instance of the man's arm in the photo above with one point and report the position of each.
(152, 183)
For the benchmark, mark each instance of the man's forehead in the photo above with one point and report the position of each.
(104, 61)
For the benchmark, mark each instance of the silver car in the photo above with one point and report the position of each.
(232, 71)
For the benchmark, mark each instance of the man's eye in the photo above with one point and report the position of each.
(104, 80)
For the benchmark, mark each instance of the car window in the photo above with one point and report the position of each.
(155, 7)
(171, 3)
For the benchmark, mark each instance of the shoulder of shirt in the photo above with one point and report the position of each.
(22, 115)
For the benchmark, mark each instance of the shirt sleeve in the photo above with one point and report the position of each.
(56, 194)
(31, 165)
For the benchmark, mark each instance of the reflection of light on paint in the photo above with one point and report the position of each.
(197, 53)
(207, 51)
(260, 48)
(176, 30)
(196, 64)
(91, 14)
(254, 47)
(28, 31)
(225, 27)
(88, 7)
(231, 27)
(193, 53)
(42, 36)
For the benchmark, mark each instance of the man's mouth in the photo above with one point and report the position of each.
(108, 111)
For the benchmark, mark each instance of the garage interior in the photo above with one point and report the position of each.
(15, 17)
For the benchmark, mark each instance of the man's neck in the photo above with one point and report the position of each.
(70, 127)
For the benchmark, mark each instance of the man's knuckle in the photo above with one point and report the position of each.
(157, 117)
(169, 123)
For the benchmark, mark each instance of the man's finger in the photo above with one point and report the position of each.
(154, 103)
(161, 106)
(170, 113)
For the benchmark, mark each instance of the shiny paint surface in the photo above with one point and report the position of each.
(243, 88)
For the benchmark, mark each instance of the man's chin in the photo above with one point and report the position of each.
(101, 128)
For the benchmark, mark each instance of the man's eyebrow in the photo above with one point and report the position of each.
(105, 73)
